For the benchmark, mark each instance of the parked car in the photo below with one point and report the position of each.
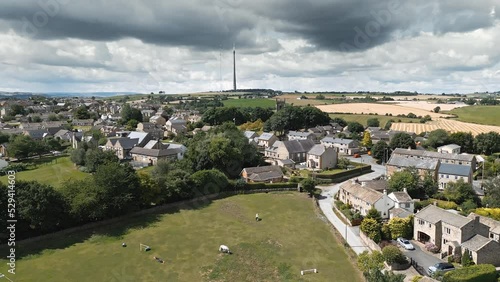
(405, 243)
(442, 267)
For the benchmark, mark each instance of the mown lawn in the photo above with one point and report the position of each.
(253, 103)
(51, 171)
(488, 115)
(289, 238)
(364, 118)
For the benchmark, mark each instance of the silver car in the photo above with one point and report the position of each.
(405, 243)
(442, 267)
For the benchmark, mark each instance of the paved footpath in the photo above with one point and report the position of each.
(352, 233)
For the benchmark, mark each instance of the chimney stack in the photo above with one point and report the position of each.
(404, 190)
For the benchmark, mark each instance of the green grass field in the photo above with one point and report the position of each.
(291, 237)
(364, 118)
(488, 115)
(51, 171)
(263, 103)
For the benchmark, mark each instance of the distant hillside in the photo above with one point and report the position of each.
(26, 95)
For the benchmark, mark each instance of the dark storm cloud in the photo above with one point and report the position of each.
(352, 25)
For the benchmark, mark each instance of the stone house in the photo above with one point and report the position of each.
(452, 173)
(153, 152)
(320, 157)
(174, 124)
(459, 159)
(295, 150)
(158, 119)
(363, 198)
(297, 135)
(344, 146)
(266, 139)
(449, 149)
(265, 174)
(154, 129)
(121, 146)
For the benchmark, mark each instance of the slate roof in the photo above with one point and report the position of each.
(263, 173)
(402, 197)
(476, 243)
(266, 136)
(365, 194)
(298, 146)
(139, 135)
(454, 169)
(434, 214)
(249, 134)
(400, 161)
(176, 121)
(317, 150)
(435, 155)
(128, 143)
(490, 222)
(377, 185)
(155, 152)
(299, 134)
(337, 140)
(399, 212)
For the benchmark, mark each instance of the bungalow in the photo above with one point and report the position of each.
(320, 157)
(362, 198)
(344, 146)
(452, 173)
(265, 174)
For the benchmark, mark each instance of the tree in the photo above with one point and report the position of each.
(393, 254)
(78, 156)
(402, 140)
(492, 193)
(96, 157)
(343, 163)
(82, 113)
(467, 259)
(39, 206)
(367, 140)
(487, 143)
(401, 227)
(429, 184)
(339, 121)
(150, 192)
(373, 122)
(388, 124)
(407, 178)
(36, 118)
(464, 140)
(309, 186)
(436, 138)
(127, 113)
(355, 127)
(207, 182)
(437, 109)
(320, 97)
(132, 124)
(459, 192)
(372, 229)
(21, 146)
(374, 214)
(468, 206)
(314, 117)
(380, 151)
(372, 264)
(17, 109)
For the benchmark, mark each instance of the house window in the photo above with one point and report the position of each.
(447, 230)
(445, 241)
(430, 225)
(491, 235)
(421, 222)
(447, 176)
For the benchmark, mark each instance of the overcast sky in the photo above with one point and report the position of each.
(305, 45)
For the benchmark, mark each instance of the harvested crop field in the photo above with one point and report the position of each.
(446, 124)
(380, 109)
(424, 105)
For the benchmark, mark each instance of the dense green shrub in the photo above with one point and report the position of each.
(475, 273)
(393, 254)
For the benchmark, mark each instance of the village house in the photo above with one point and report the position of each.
(449, 149)
(146, 114)
(452, 173)
(460, 159)
(295, 150)
(153, 152)
(158, 119)
(266, 139)
(155, 130)
(320, 157)
(263, 174)
(362, 198)
(121, 146)
(82, 122)
(344, 146)
(176, 125)
(423, 166)
(404, 205)
(455, 234)
(142, 137)
(297, 135)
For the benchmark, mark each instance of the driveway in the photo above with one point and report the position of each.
(352, 233)
(421, 257)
